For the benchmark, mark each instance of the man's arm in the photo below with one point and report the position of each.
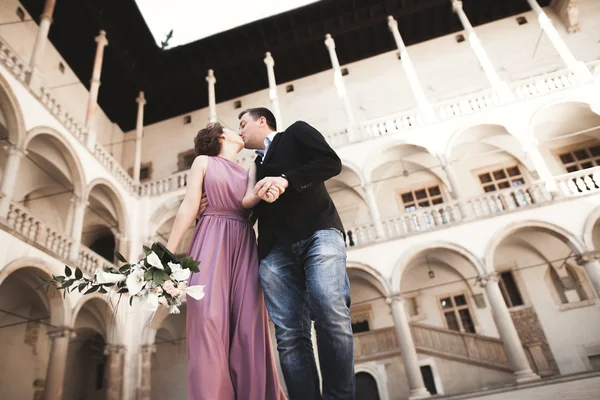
(324, 162)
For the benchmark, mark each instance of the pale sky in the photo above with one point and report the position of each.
(192, 20)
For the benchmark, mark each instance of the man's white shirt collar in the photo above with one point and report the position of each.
(268, 141)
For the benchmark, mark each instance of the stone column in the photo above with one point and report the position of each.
(407, 349)
(139, 131)
(94, 88)
(57, 363)
(497, 84)
(42, 37)
(508, 333)
(578, 67)
(212, 103)
(145, 392)
(455, 186)
(115, 355)
(338, 81)
(413, 79)
(373, 209)
(9, 178)
(270, 63)
(592, 267)
(532, 151)
(79, 207)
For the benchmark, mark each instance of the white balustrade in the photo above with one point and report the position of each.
(13, 62)
(90, 261)
(539, 85)
(468, 104)
(579, 183)
(390, 124)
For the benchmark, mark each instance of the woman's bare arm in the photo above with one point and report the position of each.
(188, 210)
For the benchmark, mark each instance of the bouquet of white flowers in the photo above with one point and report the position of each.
(157, 279)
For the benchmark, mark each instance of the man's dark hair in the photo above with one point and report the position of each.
(258, 112)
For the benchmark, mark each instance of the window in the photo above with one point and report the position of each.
(61, 67)
(510, 290)
(345, 71)
(412, 307)
(187, 119)
(289, 88)
(581, 159)
(237, 104)
(503, 178)
(361, 317)
(428, 379)
(460, 38)
(423, 198)
(20, 13)
(521, 20)
(568, 285)
(186, 159)
(144, 174)
(457, 314)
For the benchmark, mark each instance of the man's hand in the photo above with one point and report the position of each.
(268, 185)
(203, 205)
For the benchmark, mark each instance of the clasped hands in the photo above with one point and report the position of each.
(270, 188)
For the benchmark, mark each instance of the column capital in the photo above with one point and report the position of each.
(210, 78)
(269, 59)
(61, 332)
(79, 200)
(392, 23)
(329, 42)
(113, 349)
(587, 257)
(394, 298)
(101, 38)
(14, 150)
(148, 349)
(141, 100)
(457, 5)
(484, 279)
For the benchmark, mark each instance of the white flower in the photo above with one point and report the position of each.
(181, 275)
(162, 300)
(150, 303)
(107, 277)
(174, 310)
(154, 261)
(174, 267)
(135, 282)
(195, 292)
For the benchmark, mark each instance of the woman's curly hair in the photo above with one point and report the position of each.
(207, 142)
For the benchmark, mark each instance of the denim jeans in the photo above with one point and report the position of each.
(303, 280)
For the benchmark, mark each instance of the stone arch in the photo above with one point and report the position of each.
(569, 111)
(560, 233)
(588, 229)
(418, 250)
(166, 211)
(377, 371)
(105, 312)
(58, 306)
(370, 275)
(73, 161)
(15, 122)
(118, 201)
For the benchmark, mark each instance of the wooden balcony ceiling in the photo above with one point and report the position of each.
(174, 80)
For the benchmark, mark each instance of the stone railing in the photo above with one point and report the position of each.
(467, 104)
(115, 168)
(390, 124)
(542, 84)
(375, 343)
(169, 184)
(493, 203)
(13, 62)
(35, 232)
(594, 67)
(337, 139)
(90, 261)
(471, 348)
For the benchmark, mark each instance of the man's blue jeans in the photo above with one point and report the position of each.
(304, 280)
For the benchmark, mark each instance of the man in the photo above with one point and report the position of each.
(302, 255)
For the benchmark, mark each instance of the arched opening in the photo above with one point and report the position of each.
(25, 318)
(366, 387)
(537, 266)
(169, 362)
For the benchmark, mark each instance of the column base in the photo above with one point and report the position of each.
(526, 376)
(417, 394)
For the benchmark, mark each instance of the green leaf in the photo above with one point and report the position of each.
(120, 257)
(147, 250)
(59, 278)
(68, 271)
(109, 284)
(102, 290)
(68, 283)
(131, 301)
(148, 274)
(160, 277)
(78, 273)
(189, 263)
(124, 269)
(123, 290)
(82, 286)
(92, 289)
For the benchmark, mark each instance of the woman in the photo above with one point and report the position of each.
(229, 347)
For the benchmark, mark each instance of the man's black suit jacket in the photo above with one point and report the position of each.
(304, 157)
